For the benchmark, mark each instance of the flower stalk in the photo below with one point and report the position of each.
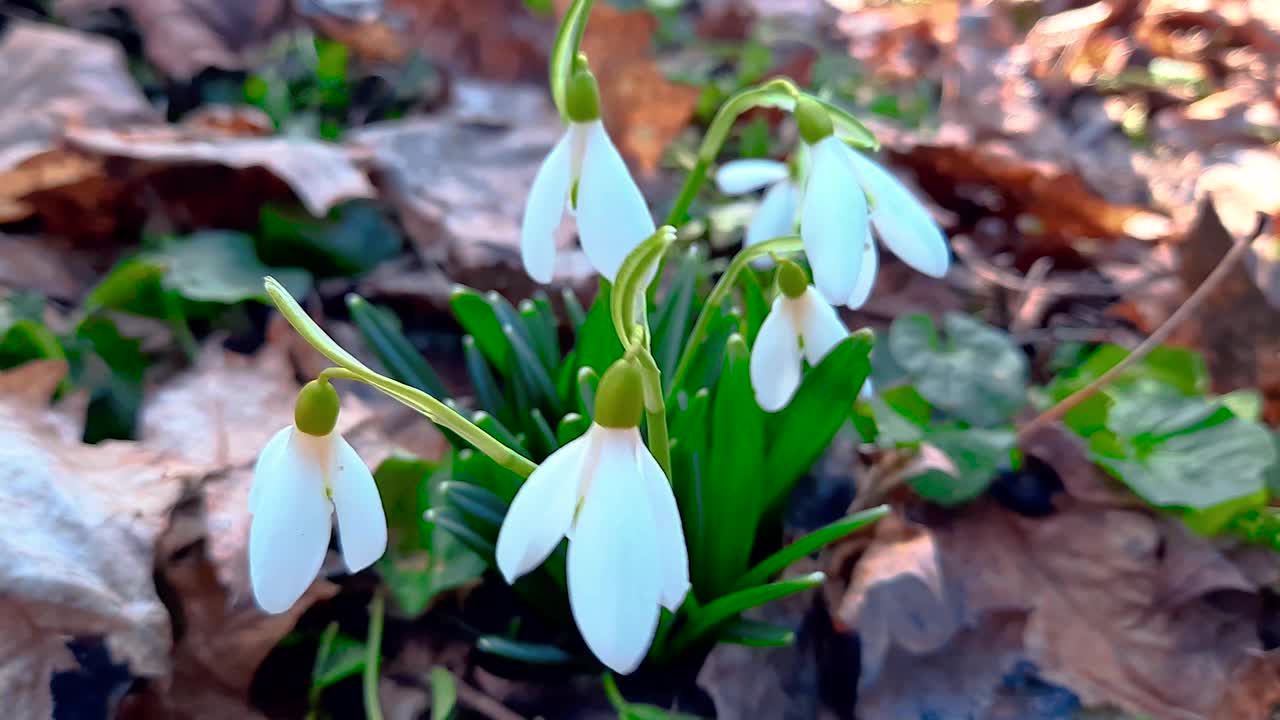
(352, 369)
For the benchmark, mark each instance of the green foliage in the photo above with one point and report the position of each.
(974, 373)
(732, 463)
(353, 240)
(423, 559)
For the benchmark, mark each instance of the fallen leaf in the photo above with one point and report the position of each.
(183, 37)
(81, 525)
(54, 79)
(643, 110)
(1235, 326)
(1113, 603)
(490, 39)
(32, 653)
(459, 181)
(319, 173)
(1254, 692)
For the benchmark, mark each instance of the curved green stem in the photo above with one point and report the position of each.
(352, 369)
(775, 92)
(373, 656)
(787, 244)
(565, 50)
(655, 409)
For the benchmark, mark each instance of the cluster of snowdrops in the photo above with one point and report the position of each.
(608, 492)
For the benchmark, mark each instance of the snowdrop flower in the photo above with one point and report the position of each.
(776, 215)
(305, 473)
(800, 324)
(609, 497)
(585, 172)
(835, 223)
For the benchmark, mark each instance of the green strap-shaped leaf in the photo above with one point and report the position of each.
(808, 545)
(731, 490)
(754, 633)
(453, 522)
(801, 432)
(402, 361)
(712, 615)
(478, 318)
(532, 653)
(444, 693)
(482, 380)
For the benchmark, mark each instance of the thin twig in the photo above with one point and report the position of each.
(1162, 333)
(483, 704)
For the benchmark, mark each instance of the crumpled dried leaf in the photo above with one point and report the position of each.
(183, 37)
(76, 556)
(1254, 692)
(643, 110)
(490, 39)
(319, 173)
(459, 181)
(55, 78)
(1117, 606)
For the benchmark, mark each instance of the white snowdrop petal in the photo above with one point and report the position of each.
(673, 554)
(833, 220)
(612, 215)
(613, 570)
(289, 533)
(902, 221)
(542, 511)
(820, 325)
(866, 276)
(544, 209)
(362, 524)
(775, 359)
(266, 459)
(775, 217)
(738, 177)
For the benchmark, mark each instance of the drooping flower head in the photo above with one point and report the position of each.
(842, 195)
(776, 215)
(585, 173)
(305, 473)
(604, 492)
(800, 325)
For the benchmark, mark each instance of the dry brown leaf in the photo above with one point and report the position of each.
(1254, 693)
(32, 654)
(54, 79)
(76, 555)
(319, 173)
(459, 181)
(1236, 325)
(50, 266)
(183, 37)
(643, 110)
(1113, 603)
(491, 39)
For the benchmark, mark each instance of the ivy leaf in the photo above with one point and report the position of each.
(975, 372)
(222, 267)
(956, 466)
(1178, 452)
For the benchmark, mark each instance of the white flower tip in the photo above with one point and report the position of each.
(673, 597)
